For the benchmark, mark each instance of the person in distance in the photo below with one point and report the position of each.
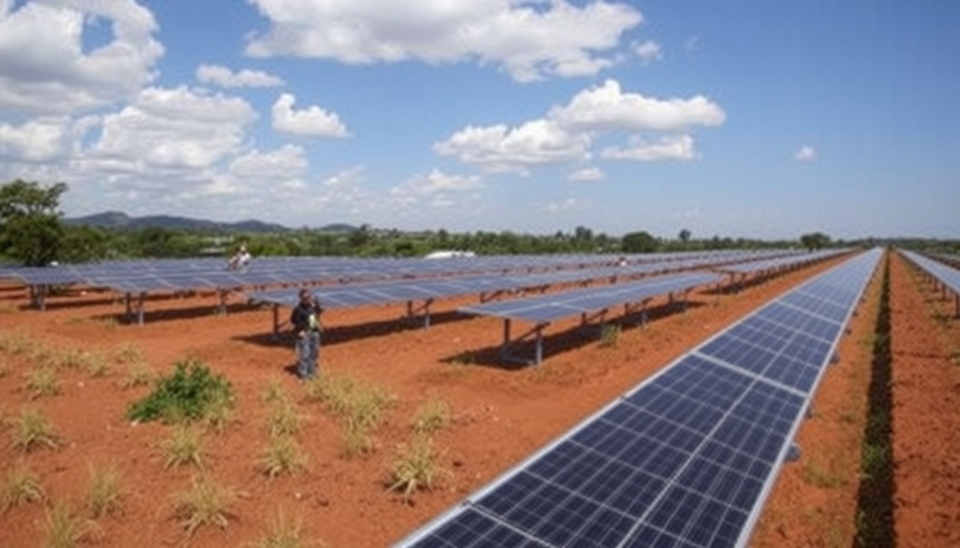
(305, 319)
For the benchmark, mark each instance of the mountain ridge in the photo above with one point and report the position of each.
(120, 220)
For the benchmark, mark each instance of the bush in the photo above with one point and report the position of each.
(187, 395)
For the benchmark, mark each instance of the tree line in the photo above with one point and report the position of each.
(32, 233)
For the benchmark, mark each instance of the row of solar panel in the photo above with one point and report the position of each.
(947, 275)
(146, 276)
(686, 459)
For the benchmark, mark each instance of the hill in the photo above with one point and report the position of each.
(120, 220)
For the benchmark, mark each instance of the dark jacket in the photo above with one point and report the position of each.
(300, 316)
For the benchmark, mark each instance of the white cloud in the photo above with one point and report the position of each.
(528, 39)
(673, 147)
(312, 121)
(224, 77)
(805, 154)
(502, 149)
(436, 187)
(179, 129)
(283, 164)
(40, 140)
(608, 108)
(566, 134)
(45, 69)
(587, 174)
(649, 52)
(562, 206)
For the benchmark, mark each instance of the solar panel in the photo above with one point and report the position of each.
(946, 275)
(684, 460)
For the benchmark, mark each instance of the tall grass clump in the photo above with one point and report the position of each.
(610, 335)
(358, 406)
(64, 529)
(205, 503)
(183, 447)
(20, 486)
(33, 430)
(283, 534)
(104, 492)
(282, 455)
(431, 416)
(416, 468)
(185, 396)
(42, 381)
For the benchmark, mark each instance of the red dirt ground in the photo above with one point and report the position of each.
(501, 414)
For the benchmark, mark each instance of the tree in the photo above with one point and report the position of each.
(639, 242)
(814, 241)
(30, 229)
(684, 235)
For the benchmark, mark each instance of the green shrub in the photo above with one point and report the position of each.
(187, 395)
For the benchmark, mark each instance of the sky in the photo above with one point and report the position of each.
(751, 119)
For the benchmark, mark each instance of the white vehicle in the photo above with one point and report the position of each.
(448, 254)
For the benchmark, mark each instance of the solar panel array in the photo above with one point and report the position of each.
(776, 263)
(947, 275)
(688, 457)
(549, 307)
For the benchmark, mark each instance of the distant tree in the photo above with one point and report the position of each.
(639, 242)
(30, 229)
(83, 244)
(814, 241)
(684, 235)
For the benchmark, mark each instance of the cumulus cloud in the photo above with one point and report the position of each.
(805, 154)
(173, 129)
(309, 122)
(561, 206)
(285, 163)
(502, 149)
(40, 140)
(226, 78)
(649, 52)
(567, 133)
(587, 174)
(435, 188)
(674, 147)
(44, 67)
(530, 40)
(607, 107)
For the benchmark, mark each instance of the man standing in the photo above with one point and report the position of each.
(305, 319)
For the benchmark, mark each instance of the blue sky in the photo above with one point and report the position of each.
(744, 119)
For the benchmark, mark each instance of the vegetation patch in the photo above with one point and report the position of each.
(186, 395)
(432, 415)
(65, 529)
(284, 534)
(610, 335)
(42, 381)
(358, 407)
(416, 468)
(33, 430)
(183, 447)
(282, 455)
(104, 493)
(205, 503)
(20, 486)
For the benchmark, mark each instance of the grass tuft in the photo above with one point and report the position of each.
(33, 430)
(610, 335)
(21, 486)
(283, 419)
(431, 416)
(64, 529)
(282, 455)
(104, 493)
(416, 468)
(42, 381)
(283, 534)
(139, 373)
(205, 503)
(183, 447)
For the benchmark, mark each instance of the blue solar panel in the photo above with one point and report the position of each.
(686, 459)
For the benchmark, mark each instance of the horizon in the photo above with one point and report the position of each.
(765, 123)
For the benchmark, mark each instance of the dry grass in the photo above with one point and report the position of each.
(65, 529)
(184, 447)
(20, 486)
(284, 534)
(104, 492)
(33, 430)
(139, 373)
(432, 415)
(205, 503)
(416, 468)
(282, 455)
(42, 381)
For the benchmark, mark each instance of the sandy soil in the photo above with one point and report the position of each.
(500, 415)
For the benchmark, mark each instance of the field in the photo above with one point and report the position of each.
(79, 367)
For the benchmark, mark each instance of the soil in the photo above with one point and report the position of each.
(500, 413)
